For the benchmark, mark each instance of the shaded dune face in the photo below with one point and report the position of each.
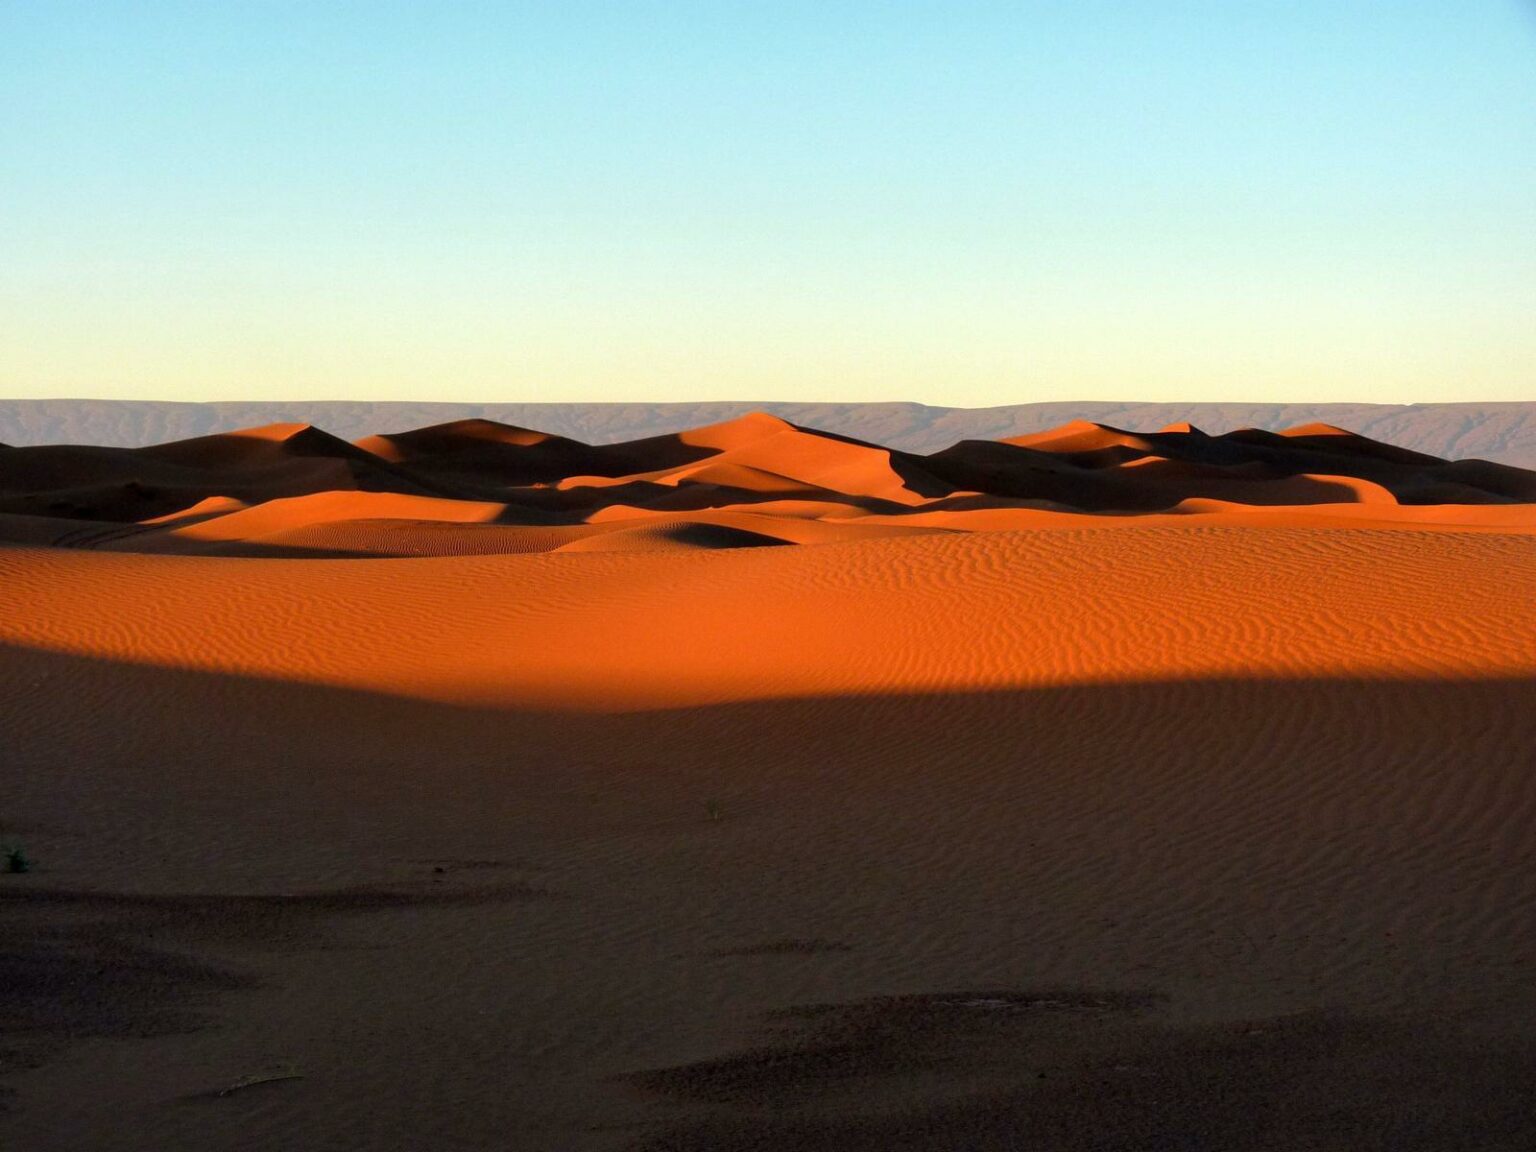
(479, 487)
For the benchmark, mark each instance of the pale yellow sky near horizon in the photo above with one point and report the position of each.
(965, 204)
(1209, 335)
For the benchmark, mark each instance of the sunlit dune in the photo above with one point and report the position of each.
(212, 506)
(461, 435)
(282, 515)
(1084, 436)
(1316, 428)
(680, 614)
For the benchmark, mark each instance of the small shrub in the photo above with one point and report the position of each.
(16, 861)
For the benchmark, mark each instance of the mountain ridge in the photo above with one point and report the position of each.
(1501, 431)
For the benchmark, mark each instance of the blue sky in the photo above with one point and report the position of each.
(954, 203)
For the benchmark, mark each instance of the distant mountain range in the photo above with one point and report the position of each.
(1503, 432)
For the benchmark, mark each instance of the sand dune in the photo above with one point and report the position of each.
(750, 788)
(934, 613)
(263, 490)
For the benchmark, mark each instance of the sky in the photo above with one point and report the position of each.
(953, 203)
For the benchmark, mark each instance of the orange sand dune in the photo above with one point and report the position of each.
(934, 613)
(324, 507)
(1083, 436)
(459, 436)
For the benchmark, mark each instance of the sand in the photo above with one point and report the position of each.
(882, 812)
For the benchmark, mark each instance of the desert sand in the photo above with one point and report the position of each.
(752, 787)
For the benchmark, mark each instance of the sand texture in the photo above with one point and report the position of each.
(751, 787)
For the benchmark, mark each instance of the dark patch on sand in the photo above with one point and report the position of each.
(77, 964)
(822, 1050)
(256, 920)
(789, 947)
(1080, 1072)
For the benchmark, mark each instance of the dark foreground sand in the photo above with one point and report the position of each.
(1215, 915)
